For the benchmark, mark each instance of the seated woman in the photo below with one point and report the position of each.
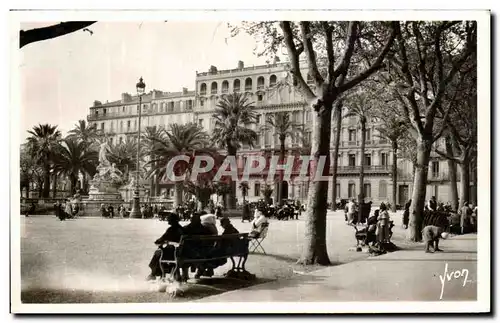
(172, 234)
(209, 221)
(258, 224)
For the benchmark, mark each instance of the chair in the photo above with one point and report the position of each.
(256, 242)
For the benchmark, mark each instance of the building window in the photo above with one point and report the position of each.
(236, 85)
(135, 124)
(171, 106)
(123, 109)
(200, 122)
(435, 169)
(352, 135)
(104, 111)
(102, 126)
(260, 83)
(352, 160)
(382, 190)
(128, 125)
(121, 140)
(225, 87)
(338, 190)
(202, 102)
(308, 137)
(352, 190)
(259, 97)
(121, 126)
(257, 119)
(257, 141)
(272, 80)
(308, 116)
(256, 189)
(368, 134)
(203, 89)
(368, 159)
(213, 88)
(384, 158)
(111, 141)
(367, 190)
(190, 104)
(248, 84)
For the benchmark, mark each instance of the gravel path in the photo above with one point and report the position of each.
(94, 260)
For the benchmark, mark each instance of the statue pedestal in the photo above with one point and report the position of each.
(101, 192)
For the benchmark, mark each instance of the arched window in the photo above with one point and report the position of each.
(260, 83)
(382, 189)
(213, 88)
(203, 89)
(236, 85)
(248, 84)
(367, 190)
(225, 87)
(272, 80)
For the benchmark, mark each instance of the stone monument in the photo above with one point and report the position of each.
(104, 186)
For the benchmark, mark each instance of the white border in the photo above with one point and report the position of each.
(483, 18)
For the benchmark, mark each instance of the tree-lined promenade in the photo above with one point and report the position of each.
(418, 78)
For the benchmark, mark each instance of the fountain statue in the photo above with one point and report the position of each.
(105, 184)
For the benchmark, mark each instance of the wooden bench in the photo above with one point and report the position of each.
(199, 250)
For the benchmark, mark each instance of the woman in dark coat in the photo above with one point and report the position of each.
(406, 214)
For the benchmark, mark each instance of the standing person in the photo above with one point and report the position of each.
(155, 211)
(111, 211)
(299, 209)
(143, 211)
(67, 209)
(465, 218)
(351, 211)
(406, 214)
(383, 228)
(431, 235)
(432, 205)
(31, 210)
(246, 212)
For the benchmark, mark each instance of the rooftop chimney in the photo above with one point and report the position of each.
(97, 103)
(241, 65)
(184, 90)
(212, 69)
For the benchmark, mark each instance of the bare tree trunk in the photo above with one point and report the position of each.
(54, 187)
(419, 189)
(338, 114)
(452, 168)
(46, 181)
(315, 234)
(178, 194)
(394, 175)
(157, 185)
(464, 183)
(361, 196)
(231, 198)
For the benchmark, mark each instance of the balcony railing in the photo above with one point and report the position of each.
(213, 91)
(367, 169)
(260, 87)
(203, 92)
(248, 88)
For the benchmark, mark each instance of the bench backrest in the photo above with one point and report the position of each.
(212, 246)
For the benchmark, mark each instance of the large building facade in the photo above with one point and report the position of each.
(268, 87)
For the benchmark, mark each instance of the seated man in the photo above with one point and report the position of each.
(194, 228)
(172, 234)
(209, 221)
(257, 223)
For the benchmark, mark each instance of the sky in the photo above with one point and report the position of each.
(60, 78)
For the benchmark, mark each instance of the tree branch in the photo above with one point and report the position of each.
(445, 155)
(329, 51)
(294, 60)
(374, 67)
(305, 29)
(49, 32)
(422, 75)
(343, 66)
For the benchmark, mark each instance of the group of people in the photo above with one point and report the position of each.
(351, 211)
(68, 210)
(201, 223)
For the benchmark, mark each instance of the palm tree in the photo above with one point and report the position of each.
(267, 192)
(151, 136)
(392, 129)
(73, 157)
(233, 116)
(42, 142)
(85, 132)
(124, 156)
(360, 106)
(283, 127)
(222, 189)
(244, 190)
(180, 140)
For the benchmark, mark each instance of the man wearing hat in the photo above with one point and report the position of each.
(172, 234)
(431, 235)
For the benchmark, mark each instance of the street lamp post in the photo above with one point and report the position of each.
(136, 208)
